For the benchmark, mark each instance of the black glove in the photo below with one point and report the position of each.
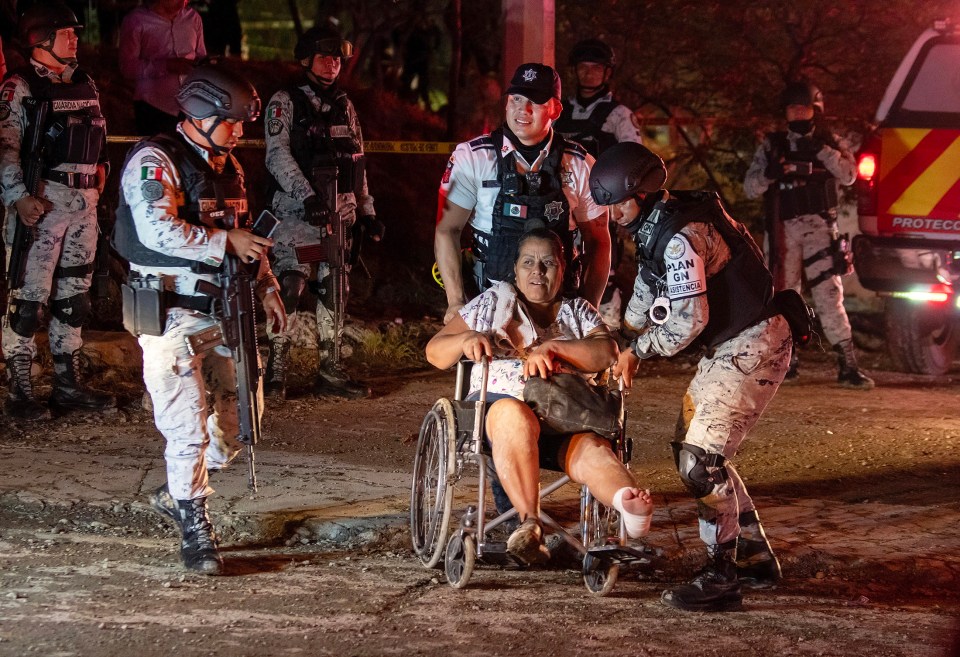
(774, 170)
(372, 227)
(315, 211)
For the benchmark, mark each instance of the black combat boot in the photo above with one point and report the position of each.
(793, 372)
(69, 393)
(849, 374)
(20, 402)
(198, 547)
(275, 381)
(757, 565)
(714, 588)
(332, 380)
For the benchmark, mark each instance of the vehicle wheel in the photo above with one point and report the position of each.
(921, 339)
(460, 558)
(431, 491)
(599, 575)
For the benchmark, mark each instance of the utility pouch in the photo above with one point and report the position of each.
(842, 255)
(205, 340)
(144, 310)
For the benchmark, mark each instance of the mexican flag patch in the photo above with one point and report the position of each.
(274, 112)
(151, 173)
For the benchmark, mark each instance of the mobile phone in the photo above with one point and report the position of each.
(265, 224)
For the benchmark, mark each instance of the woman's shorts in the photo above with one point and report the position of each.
(552, 447)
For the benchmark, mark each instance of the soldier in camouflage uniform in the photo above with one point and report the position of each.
(313, 143)
(63, 215)
(702, 284)
(797, 172)
(173, 185)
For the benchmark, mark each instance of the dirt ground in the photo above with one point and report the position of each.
(858, 491)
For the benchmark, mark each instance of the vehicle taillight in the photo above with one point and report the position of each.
(867, 166)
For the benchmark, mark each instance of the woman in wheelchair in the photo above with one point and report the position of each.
(527, 329)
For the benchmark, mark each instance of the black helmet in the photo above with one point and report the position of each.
(592, 50)
(41, 21)
(214, 91)
(322, 40)
(802, 93)
(626, 169)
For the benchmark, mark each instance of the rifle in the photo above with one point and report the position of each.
(34, 146)
(235, 305)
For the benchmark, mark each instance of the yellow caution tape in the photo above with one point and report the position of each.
(401, 147)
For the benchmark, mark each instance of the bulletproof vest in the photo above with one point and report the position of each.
(321, 140)
(739, 293)
(588, 132)
(206, 194)
(803, 193)
(75, 131)
(522, 198)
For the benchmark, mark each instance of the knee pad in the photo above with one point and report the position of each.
(292, 285)
(72, 311)
(700, 471)
(24, 317)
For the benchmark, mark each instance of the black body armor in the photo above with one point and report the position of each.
(524, 197)
(206, 194)
(588, 132)
(809, 188)
(740, 294)
(76, 131)
(321, 140)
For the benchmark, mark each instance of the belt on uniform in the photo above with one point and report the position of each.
(72, 179)
(199, 303)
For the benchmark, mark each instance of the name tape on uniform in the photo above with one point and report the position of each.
(402, 147)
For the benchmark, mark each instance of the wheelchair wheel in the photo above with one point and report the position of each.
(431, 491)
(601, 526)
(460, 558)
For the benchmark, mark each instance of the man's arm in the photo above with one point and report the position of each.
(451, 220)
(596, 245)
(13, 126)
(839, 161)
(279, 158)
(755, 183)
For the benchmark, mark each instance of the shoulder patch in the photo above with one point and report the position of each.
(481, 142)
(685, 272)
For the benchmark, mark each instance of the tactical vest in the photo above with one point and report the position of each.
(205, 193)
(522, 198)
(740, 293)
(321, 140)
(75, 131)
(588, 132)
(798, 195)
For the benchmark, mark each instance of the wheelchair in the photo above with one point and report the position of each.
(450, 440)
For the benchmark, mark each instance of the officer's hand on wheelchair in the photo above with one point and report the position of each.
(626, 368)
(373, 228)
(476, 345)
(30, 209)
(247, 246)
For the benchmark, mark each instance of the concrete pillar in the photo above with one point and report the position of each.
(528, 34)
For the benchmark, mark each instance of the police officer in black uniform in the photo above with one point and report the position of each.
(319, 186)
(61, 214)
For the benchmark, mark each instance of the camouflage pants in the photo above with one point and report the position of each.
(198, 437)
(722, 403)
(293, 232)
(799, 239)
(66, 236)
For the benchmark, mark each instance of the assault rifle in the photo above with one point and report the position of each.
(330, 250)
(34, 148)
(235, 305)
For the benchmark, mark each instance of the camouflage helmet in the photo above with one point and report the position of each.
(210, 90)
(322, 40)
(626, 169)
(802, 93)
(40, 22)
(593, 50)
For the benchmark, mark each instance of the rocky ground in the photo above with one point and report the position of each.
(859, 493)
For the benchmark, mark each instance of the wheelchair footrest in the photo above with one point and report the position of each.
(625, 555)
(495, 552)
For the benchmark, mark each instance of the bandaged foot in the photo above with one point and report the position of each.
(636, 507)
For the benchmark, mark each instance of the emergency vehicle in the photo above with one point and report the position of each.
(908, 193)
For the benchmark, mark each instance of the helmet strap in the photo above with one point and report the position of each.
(47, 47)
(216, 150)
